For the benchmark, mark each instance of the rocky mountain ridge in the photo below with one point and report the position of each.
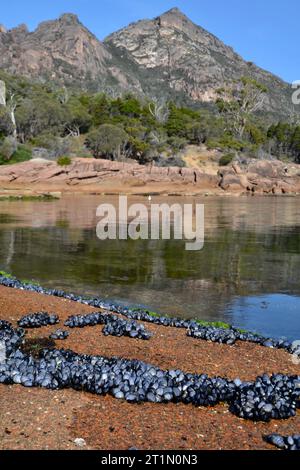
(168, 57)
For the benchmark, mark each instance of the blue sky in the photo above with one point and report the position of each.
(263, 31)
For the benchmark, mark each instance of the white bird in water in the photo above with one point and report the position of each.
(149, 198)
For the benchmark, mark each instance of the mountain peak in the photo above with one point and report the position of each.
(22, 29)
(167, 57)
(173, 11)
(175, 18)
(69, 18)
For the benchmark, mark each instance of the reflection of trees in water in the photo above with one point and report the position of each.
(10, 249)
(252, 246)
(231, 263)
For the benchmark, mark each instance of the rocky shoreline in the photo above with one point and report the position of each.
(244, 360)
(258, 177)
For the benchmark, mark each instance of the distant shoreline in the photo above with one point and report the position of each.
(39, 177)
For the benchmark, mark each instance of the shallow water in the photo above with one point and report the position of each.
(247, 273)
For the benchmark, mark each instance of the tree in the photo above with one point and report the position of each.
(130, 106)
(239, 103)
(78, 119)
(8, 148)
(6, 125)
(180, 121)
(296, 144)
(197, 132)
(39, 114)
(12, 104)
(99, 108)
(159, 110)
(281, 135)
(257, 134)
(107, 141)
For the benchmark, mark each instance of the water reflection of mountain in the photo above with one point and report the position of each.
(252, 247)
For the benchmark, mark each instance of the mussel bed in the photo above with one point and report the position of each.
(37, 320)
(114, 325)
(275, 397)
(268, 397)
(284, 442)
(194, 329)
(59, 335)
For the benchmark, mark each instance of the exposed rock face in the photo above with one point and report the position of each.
(96, 174)
(262, 177)
(2, 93)
(174, 51)
(169, 56)
(63, 51)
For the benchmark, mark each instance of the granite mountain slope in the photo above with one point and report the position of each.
(62, 51)
(168, 57)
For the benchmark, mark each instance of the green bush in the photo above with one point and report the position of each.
(106, 141)
(7, 148)
(177, 143)
(22, 154)
(56, 146)
(64, 161)
(6, 125)
(226, 159)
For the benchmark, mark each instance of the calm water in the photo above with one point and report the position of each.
(247, 274)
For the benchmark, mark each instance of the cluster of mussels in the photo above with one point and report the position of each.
(210, 333)
(267, 398)
(284, 442)
(275, 397)
(216, 335)
(37, 320)
(114, 325)
(10, 338)
(59, 335)
(232, 335)
(194, 329)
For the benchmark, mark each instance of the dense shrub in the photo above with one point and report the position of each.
(21, 154)
(56, 146)
(6, 125)
(64, 161)
(7, 148)
(106, 141)
(226, 159)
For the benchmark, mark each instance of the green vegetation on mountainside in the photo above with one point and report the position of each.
(60, 123)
